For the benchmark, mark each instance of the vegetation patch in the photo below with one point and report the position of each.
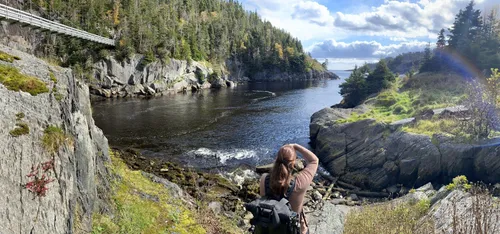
(54, 137)
(143, 206)
(16, 81)
(407, 98)
(19, 116)
(21, 129)
(459, 182)
(53, 78)
(7, 57)
(390, 218)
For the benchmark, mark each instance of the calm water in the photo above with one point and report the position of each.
(218, 128)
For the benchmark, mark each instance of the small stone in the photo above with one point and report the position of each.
(336, 195)
(354, 197)
(164, 170)
(310, 188)
(216, 207)
(393, 189)
(317, 196)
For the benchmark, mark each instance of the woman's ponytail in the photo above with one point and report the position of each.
(282, 170)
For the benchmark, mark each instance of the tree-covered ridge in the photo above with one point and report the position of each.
(200, 30)
(473, 45)
(473, 39)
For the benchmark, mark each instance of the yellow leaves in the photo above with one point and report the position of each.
(242, 46)
(116, 12)
(290, 51)
(279, 50)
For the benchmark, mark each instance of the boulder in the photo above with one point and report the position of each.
(135, 89)
(218, 83)
(374, 155)
(107, 82)
(329, 219)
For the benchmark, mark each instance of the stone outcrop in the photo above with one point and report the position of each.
(374, 155)
(80, 178)
(277, 75)
(133, 77)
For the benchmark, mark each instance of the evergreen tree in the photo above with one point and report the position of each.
(441, 43)
(380, 78)
(353, 89)
(466, 28)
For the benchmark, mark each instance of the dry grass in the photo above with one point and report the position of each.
(389, 219)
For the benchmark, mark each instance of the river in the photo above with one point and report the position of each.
(215, 129)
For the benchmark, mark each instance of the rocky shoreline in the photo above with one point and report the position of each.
(134, 77)
(381, 157)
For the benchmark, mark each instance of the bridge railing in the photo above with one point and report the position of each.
(23, 17)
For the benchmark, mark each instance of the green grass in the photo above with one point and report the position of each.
(13, 80)
(389, 219)
(448, 127)
(54, 137)
(19, 116)
(7, 57)
(137, 214)
(409, 97)
(53, 77)
(21, 129)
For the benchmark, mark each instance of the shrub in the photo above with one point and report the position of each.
(15, 81)
(459, 182)
(21, 129)
(40, 178)
(7, 57)
(53, 138)
(389, 218)
(483, 215)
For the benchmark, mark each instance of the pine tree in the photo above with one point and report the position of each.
(353, 89)
(380, 78)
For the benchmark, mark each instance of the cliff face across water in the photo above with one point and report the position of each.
(378, 156)
(52, 155)
(134, 77)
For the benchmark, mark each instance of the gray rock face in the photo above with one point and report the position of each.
(330, 219)
(79, 170)
(277, 75)
(175, 76)
(467, 209)
(375, 156)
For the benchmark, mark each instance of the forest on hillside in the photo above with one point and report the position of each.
(470, 49)
(201, 30)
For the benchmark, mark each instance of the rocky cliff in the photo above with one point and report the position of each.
(52, 155)
(380, 156)
(134, 77)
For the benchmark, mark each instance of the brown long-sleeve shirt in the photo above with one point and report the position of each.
(302, 182)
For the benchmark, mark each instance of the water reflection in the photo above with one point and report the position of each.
(213, 127)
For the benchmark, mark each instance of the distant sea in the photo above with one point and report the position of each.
(343, 74)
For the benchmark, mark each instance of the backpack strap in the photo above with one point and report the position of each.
(268, 192)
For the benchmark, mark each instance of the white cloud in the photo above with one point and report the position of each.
(404, 20)
(313, 12)
(363, 49)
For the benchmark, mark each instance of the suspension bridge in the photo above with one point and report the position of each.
(13, 15)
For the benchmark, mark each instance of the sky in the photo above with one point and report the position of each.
(350, 32)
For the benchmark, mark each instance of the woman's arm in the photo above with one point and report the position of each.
(309, 156)
(306, 176)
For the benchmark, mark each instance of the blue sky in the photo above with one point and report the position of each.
(350, 32)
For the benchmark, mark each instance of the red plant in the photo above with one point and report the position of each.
(40, 179)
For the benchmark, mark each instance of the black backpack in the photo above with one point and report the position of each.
(272, 214)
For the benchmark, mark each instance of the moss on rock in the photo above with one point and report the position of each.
(7, 57)
(14, 80)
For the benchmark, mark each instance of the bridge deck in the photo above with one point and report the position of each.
(34, 21)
